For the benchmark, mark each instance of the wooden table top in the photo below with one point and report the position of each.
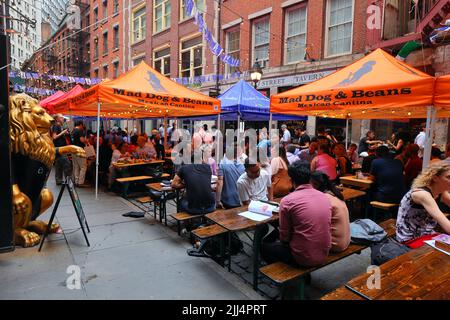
(158, 187)
(231, 220)
(350, 194)
(422, 273)
(353, 181)
(124, 165)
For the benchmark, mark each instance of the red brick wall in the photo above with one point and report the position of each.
(98, 32)
(233, 9)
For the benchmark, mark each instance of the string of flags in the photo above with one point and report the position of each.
(211, 78)
(216, 49)
(41, 76)
(39, 91)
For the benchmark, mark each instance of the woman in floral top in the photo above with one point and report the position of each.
(419, 214)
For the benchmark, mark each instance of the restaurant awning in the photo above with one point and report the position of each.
(377, 86)
(442, 96)
(140, 93)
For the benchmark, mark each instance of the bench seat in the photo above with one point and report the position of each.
(183, 217)
(146, 199)
(133, 179)
(383, 205)
(209, 231)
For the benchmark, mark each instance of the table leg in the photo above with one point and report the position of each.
(229, 251)
(256, 246)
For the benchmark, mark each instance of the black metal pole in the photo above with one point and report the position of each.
(6, 216)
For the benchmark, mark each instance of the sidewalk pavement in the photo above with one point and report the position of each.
(137, 258)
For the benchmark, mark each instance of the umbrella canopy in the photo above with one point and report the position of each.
(53, 97)
(442, 96)
(377, 86)
(69, 94)
(252, 105)
(141, 93)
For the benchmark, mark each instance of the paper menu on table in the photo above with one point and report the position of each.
(254, 216)
(443, 238)
(432, 243)
(262, 208)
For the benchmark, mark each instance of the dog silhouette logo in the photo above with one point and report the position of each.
(154, 82)
(355, 77)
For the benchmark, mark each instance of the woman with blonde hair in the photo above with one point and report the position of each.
(419, 213)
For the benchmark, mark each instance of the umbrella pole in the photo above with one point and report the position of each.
(431, 122)
(270, 121)
(165, 132)
(218, 140)
(346, 134)
(238, 126)
(98, 148)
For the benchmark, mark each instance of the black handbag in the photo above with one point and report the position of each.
(386, 250)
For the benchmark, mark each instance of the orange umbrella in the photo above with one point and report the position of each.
(141, 93)
(377, 86)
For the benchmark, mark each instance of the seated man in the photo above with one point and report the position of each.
(229, 172)
(252, 185)
(196, 178)
(291, 153)
(145, 150)
(309, 153)
(388, 176)
(304, 236)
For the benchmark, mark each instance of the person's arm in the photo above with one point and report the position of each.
(313, 164)
(342, 166)
(57, 135)
(285, 224)
(399, 145)
(426, 200)
(177, 183)
(219, 187)
(243, 194)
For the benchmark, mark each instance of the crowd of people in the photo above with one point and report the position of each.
(304, 172)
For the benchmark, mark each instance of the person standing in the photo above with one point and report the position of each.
(286, 137)
(62, 162)
(420, 139)
(79, 163)
(367, 143)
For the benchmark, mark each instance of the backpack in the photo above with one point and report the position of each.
(386, 250)
(212, 247)
(366, 232)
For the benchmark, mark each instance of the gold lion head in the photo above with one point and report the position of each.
(30, 129)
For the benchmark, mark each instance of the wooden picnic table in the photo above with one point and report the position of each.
(350, 194)
(126, 165)
(233, 222)
(422, 273)
(355, 182)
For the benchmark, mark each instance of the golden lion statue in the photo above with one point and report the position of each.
(33, 154)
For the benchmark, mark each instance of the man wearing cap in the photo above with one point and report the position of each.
(420, 140)
(62, 162)
(286, 138)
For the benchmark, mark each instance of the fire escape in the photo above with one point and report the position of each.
(404, 21)
(78, 56)
(49, 57)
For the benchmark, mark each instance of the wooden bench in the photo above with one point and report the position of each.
(126, 182)
(384, 206)
(210, 231)
(183, 217)
(282, 273)
(146, 199)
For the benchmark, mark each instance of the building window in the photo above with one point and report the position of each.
(105, 10)
(232, 48)
(105, 72)
(183, 15)
(161, 61)
(295, 35)
(138, 60)
(116, 37)
(161, 14)
(95, 48)
(95, 17)
(96, 73)
(138, 26)
(191, 58)
(105, 43)
(116, 6)
(339, 27)
(116, 69)
(261, 38)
